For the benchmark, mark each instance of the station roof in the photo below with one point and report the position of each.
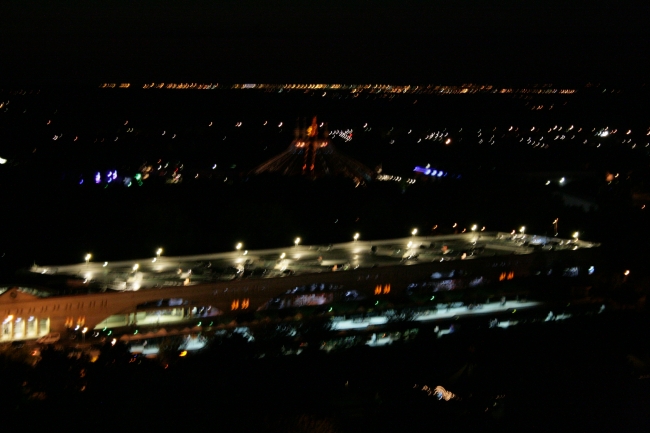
(306, 259)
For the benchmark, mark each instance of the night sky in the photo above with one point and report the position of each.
(315, 41)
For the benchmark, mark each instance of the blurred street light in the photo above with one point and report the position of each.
(296, 241)
(356, 236)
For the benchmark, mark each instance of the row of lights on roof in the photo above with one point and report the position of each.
(355, 237)
(135, 267)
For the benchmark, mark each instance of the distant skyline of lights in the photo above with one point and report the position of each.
(468, 88)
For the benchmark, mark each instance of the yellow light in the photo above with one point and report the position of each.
(183, 353)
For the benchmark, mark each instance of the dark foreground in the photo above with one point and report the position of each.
(589, 373)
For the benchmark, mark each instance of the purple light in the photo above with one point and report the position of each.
(98, 178)
(81, 182)
(115, 175)
(419, 169)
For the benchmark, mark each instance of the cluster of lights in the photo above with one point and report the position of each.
(388, 177)
(436, 136)
(439, 392)
(181, 86)
(114, 85)
(428, 171)
(345, 135)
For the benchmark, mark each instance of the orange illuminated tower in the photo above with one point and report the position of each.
(312, 154)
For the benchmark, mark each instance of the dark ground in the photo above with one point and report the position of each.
(589, 372)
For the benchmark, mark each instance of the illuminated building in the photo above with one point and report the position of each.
(312, 154)
(374, 270)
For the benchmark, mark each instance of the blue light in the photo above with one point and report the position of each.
(427, 172)
(440, 173)
(433, 173)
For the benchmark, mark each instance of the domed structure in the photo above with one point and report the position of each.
(312, 154)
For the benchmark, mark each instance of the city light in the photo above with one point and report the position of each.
(136, 267)
(414, 232)
(522, 230)
(159, 252)
(356, 236)
(296, 241)
(474, 227)
(88, 257)
(239, 246)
